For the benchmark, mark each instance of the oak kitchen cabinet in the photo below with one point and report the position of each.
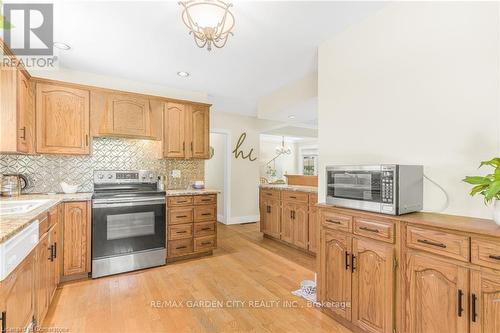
(186, 131)
(62, 120)
(125, 115)
(76, 238)
(485, 302)
(289, 216)
(17, 119)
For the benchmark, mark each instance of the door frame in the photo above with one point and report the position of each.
(227, 174)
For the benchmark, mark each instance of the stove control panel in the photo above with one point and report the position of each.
(124, 177)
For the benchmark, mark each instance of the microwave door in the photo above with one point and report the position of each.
(355, 185)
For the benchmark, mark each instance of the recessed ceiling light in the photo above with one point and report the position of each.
(183, 74)
(291, 117)
(62, 46)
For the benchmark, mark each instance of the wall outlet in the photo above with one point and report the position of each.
(176, 173)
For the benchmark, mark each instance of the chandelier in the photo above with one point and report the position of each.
(209, 21)
(282, 150)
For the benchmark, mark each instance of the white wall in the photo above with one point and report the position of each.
(415, 83)
(214, 170)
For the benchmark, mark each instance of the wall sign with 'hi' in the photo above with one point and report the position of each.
(239, 153)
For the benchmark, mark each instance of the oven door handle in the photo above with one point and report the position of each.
(128, 203)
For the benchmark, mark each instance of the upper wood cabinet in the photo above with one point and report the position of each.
(76, 238)
(62, 120)
(186, 131)
(174, 141)
(437, 295)
(125, 115)
(18, 113)
(200, 128)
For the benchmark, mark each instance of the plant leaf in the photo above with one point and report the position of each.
(493, 191)
(477, 180)
(477, 189)
(494, 162)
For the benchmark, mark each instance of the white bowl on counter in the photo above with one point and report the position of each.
(68, 188)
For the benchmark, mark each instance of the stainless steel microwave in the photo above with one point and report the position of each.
(389, 188)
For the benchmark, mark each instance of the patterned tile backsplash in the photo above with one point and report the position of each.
(45, 172)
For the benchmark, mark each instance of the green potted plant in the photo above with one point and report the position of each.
(488, 186)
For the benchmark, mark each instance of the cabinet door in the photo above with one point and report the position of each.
(129, 115)
(372, 285)
(300, 226)
(335, 278)
(25, 115)
(200, 127)
(313, 229)
(485, 302)
(274, 219)
(436, 289)
(42, 282)
(54, 262)
(287, 222)
(18, 295)
(174, 145)
(76, 241)
(62, 120)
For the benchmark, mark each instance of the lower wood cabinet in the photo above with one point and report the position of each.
(437, 295)
(76, 238)
(271, 218)
(485, 302)
(313, 229)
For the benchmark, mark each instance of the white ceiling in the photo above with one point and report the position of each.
(274, 44)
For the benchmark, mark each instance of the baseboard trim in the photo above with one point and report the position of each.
(220, 218)
(244, 219)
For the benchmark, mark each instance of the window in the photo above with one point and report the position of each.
(309, 163)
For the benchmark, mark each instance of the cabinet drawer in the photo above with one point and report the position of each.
(180, 247)
(313, 199)
(205, 213)
(297, 197)
(376, 229)
(43, 225)
(180, 231)
(180, 215)
(336, 221)
(185, 200)
(204, 229)
(443, 243)
(204, 243)
(485, 253)
(205, 199)
(269, 194)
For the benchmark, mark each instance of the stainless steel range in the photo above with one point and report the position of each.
(128, 222)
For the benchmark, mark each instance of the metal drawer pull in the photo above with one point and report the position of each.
(495, 257)
(3, 318)
(55, 250)
(182, 201)
(369, 229)
(181, 232)
(473, 306)
(206, 214)
(460, 307)
(428, 242)
(181, 247)
(293, 197)
(181, 216)
(206, 199)
(208, 228)
(206, 243)
(24, 133)
(353, 263)
(346, 260)
(333, 221)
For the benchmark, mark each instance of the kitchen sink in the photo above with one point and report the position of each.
(9, 207)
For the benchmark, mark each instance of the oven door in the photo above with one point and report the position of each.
(125, 226)
(358, 187)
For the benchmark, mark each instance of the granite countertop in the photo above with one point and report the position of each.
(12, 224)
(173, 193)
(299, 188)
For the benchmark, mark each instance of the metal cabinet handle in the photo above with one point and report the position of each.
(191, 145)
(495, 257)
(206, 214)
(369, 229)
(206, 199)
(206, 243)
(181, 247)
(333, 221)
(346, 260)
(353, 263)
(24, 133)
(3, 318)
(181, 216)
(460, 307)
(428, 242)
(207, 228)
(51, 251)
(293, 197)
(55, 250)
(473, 308)
(181, 232)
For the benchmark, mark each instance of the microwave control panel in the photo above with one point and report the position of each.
(387, 190)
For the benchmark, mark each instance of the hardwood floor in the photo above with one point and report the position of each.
(245, 267)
